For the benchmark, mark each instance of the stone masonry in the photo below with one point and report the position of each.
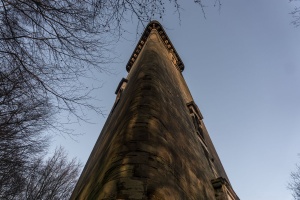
(154, 144)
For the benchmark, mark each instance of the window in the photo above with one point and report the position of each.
(196, 117)
(199, 127)
(119, 91)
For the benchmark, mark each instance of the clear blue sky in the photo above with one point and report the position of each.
(242, 66)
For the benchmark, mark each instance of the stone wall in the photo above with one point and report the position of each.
(149, 147)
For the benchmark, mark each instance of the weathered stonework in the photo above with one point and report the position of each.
(154, 144)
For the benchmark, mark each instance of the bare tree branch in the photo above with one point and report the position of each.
(49, 179)
(295, 13)
(294, 184)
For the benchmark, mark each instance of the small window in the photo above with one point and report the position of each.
(196, 118)
(121, 85)
(119, 91)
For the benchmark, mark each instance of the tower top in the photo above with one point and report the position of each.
(155, 25)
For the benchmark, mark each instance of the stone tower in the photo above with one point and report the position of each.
(154, 144)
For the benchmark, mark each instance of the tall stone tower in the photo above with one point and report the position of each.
(154, 144)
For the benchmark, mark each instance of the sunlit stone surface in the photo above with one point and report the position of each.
(154, 144)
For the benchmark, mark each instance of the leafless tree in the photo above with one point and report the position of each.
(294, 184)
(51, 179)
(22, 120)
(296, 13)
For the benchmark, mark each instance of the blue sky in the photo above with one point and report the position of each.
(242, 66)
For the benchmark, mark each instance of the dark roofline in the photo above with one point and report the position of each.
(167, 42)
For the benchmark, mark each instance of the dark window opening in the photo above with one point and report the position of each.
(119, 91)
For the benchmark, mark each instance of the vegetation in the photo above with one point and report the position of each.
(296, 13)
(294, 184)
(54, 178)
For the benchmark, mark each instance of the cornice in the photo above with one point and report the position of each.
(166, 41)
